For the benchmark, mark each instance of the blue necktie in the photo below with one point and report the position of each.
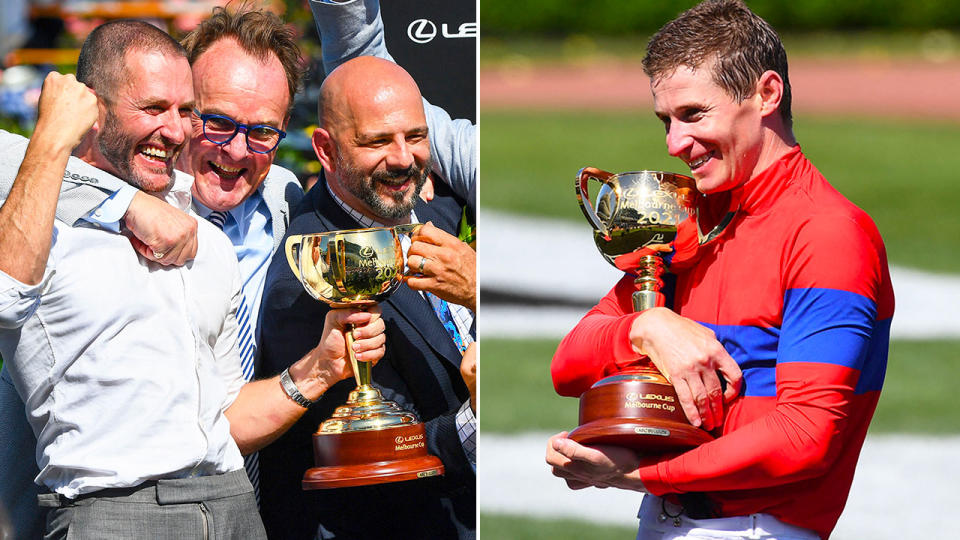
(247, 350)
(442, 309)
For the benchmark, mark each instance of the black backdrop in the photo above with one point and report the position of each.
(436, 41)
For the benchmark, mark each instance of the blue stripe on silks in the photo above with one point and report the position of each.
(826, 325)
(875, 367)
(755, 350)
(759, 379)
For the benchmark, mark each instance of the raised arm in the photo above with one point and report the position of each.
(84, 187)
(91, 194)
(67, 110)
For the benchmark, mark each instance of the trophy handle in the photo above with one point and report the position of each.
(292, 249)
(408, 229)
(583, 195)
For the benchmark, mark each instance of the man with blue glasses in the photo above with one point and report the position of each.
(219, 129)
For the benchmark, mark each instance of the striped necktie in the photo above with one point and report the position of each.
(248, 349)
(247, 345)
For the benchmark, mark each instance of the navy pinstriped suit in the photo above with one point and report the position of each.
(420, 372)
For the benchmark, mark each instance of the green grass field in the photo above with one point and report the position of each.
(522, 528)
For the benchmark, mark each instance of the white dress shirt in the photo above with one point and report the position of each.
(126, 366)
(249, 230)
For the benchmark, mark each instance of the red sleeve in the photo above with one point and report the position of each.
(599, 345)
(798, 439)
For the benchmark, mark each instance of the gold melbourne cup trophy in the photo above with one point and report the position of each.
(637, 408)
(368, 440)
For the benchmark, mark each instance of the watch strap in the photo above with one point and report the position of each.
(291, 389)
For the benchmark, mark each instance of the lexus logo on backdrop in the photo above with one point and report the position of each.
(424, 30)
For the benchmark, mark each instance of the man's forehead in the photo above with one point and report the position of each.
(228, 77)
(155, 75)
(685, 83)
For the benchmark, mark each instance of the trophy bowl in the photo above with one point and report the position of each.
(636, 408)
(635, 209)
(368, 440)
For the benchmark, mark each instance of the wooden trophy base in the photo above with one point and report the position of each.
(636, 409)
(374, 456)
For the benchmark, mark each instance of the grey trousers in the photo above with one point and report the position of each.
(215, 507)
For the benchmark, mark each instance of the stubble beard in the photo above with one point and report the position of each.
(119, 149)
(363, 187)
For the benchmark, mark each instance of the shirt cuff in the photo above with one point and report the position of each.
(112, 210)
(467, 430)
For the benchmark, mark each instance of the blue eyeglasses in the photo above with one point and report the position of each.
(220, 129)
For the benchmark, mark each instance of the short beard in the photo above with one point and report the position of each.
(362, 187)
(119, 148)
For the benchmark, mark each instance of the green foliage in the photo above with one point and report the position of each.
(526, 528)
(560, 17)
(530, 158)
(517, 395)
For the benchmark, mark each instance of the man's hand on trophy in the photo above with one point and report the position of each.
(443, 265)
(599, 466)
(690, 357)
(329, 363)
(161, 232)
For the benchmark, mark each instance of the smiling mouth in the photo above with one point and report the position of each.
(225, 172)
(395, 184)
(155, 153)
(699, 162)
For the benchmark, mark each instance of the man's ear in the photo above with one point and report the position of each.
(770, 89)
(325, 148)
(102, 112)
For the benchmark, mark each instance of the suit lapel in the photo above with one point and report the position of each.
(413, 307)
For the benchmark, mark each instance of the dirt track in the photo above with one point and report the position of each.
(877, 88)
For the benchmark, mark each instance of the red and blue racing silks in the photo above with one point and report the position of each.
(798, 291)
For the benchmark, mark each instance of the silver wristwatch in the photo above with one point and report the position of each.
(291, 389)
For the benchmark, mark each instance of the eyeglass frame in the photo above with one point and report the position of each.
(237, 127)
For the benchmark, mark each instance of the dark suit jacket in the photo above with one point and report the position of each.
(420, 372)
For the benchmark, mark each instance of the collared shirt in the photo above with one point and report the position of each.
(462, 317)
(253, 244)
(125, 366)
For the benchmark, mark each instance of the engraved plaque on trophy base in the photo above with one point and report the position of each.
(362, 458)
(636, 409)
(369, 440)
